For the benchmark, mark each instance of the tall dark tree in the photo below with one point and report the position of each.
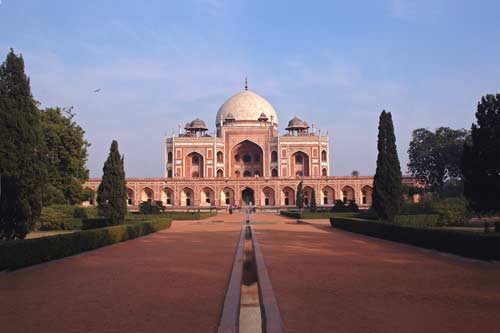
(313, 200)
(481, 158)
(435, 157)
(23, 170)
(387, 188)
(299, 199)
(112, 192)
(67, 155)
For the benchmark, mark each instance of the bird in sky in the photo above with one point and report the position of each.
(97, 90)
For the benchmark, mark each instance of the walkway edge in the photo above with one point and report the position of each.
(230, 317)
(271, 317)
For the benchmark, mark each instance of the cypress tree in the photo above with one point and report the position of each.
(299, 200)
(387, 188)
(23, 170)
(481, 157)
(313, 200)
(112, 192)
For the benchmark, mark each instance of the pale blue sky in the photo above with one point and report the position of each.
(333, 63)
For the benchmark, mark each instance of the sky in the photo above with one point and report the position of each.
(336, 64)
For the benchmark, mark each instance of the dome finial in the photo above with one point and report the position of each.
(246, 84)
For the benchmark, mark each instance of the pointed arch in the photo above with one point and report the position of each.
(287, 196)
(167, 196)
(207, 196)
(328, 195)
(366, 195)
(147, 194)
(348, 194)
(187, 197)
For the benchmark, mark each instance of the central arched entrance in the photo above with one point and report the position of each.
(248, 196)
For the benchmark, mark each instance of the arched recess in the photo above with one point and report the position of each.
(274, 172)
(220, 173)
(366, 195)
(299, 163)
(220, 157)
(324, 172)
(130, 197)
(267, 197)
(328, 195)
(90, 196)
(147, 194)
(307, 195)
(323, 155)
(248, 196)
(247, 173)
(169, 173)
(167, 196)
(227, 196)
(348, 194)
(237, 174)
(207, 196)
(274, 156)
(248, 156)
(187, 197)
(287, 196)
(194, 165)
(169, 157)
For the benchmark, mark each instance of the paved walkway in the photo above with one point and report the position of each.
(327, 280)
(170, 281)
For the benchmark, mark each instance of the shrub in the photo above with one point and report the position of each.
(80, 213)
(58, 217)
(340, 206)
(95, 223)
(468, 244)
(148, 208)
(450, 210)
(26, 252)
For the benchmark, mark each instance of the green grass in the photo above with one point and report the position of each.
(295, 214)
(38, 234)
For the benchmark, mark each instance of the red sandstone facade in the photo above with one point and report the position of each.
(246, 161)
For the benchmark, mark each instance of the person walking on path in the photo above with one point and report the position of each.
(249, 211)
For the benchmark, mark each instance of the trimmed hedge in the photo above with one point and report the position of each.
(314, 215)
(419, 221)
(26, 252)
(484, 246)
(95, 223)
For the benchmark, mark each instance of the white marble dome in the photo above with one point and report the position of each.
(246, 105)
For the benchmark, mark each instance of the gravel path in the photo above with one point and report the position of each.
(335, 281)
(170, 281)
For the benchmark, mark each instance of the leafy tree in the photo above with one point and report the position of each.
(387, 188)
(481, 158)
(313, 200)
(355, 173)
(435, 157)
(112, 191)
(67, 155)
(299, 200)
(23, 171)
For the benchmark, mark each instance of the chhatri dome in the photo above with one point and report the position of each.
(246, 105)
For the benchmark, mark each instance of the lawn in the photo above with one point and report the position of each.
(38, 234)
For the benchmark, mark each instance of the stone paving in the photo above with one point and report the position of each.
(324, 280)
